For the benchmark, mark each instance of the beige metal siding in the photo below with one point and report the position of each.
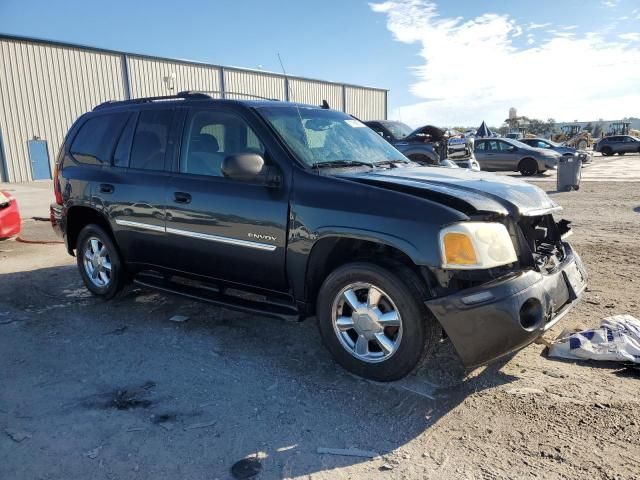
(43, 89)
(147, 77)
(366, 103)
(314, 92)
(254, 83)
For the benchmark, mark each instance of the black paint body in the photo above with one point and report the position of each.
(402, 208)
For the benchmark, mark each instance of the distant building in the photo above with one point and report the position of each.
(513, 113)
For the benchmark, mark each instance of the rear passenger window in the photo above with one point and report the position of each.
(150, 139)
(123, 149)
(96, 139)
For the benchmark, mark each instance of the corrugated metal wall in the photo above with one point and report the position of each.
(366, 103)
(149, 77)
(254, 83)
(45, 86)
(43, 89)
(313, 92)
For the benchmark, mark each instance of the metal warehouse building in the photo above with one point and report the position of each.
(45, 86)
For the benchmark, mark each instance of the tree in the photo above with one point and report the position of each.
(589, 127)
(597, 130)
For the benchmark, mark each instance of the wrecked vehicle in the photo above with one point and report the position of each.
(296, 211)
(427, 145)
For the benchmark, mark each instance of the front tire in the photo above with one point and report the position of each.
(374, 322)
(606, 151)
(99, 262)
(528, 167)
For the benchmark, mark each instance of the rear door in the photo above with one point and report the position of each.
(223, 228)
(134, 194)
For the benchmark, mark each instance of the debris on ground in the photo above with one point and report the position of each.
(246, 468)
(616, 339)
(348, 452)
(179, 318)
(16, 435)
(386, 467)
(93, 453)
(200, 425)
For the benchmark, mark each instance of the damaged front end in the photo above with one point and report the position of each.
(488, 313)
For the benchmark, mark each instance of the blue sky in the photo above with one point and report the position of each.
(443, 62)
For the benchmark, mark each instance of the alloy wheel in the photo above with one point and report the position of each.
(367, 322)
(97, 262)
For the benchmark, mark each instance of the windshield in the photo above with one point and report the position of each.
(399, 130)
(319, 136)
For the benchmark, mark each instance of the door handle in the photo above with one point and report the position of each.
(181, 197)
(106, 188)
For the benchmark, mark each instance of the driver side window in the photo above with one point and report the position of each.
(506, 147)
(210, 136)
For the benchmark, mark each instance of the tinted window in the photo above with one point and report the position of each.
(492, 146)
(96, 139)
(210, 136)
(123, 148)
(150, 139)
(480, 146)
(506, 147)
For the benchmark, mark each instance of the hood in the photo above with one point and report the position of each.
(466, 191)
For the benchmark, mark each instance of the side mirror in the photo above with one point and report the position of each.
(250, 167)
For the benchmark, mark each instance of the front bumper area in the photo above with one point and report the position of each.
(500, 317)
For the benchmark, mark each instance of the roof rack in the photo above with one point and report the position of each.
(134, 101)
(226, 92)
(185, 95)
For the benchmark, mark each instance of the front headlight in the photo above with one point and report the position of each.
(476, 245)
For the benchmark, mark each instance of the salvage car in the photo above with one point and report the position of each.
(295, 211)
(505, 154)
(10, 220)
(564, 150)
(427, 145)
(619, 144)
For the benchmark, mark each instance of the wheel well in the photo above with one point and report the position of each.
(80, 217)
(330, 253)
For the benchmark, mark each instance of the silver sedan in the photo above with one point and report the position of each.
(505, 154)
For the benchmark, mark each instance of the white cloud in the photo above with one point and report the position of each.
(631, 37)
(472, 69)
(534, 26)
(610, 3)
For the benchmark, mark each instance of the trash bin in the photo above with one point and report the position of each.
(569, 172)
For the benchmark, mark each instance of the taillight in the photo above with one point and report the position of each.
(56, 184)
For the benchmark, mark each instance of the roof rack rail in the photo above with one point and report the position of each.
(226, 92)
(178, 96)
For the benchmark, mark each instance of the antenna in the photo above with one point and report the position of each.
(286, 77)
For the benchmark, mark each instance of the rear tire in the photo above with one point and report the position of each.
(383, 351)
(606, 151)
(528, 167)
(621, 153)
(99, 262)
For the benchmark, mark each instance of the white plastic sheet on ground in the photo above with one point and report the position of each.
(616, 339)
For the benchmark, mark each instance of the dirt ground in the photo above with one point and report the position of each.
(116, 390)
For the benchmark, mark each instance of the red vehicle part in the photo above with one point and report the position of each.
(10, 221)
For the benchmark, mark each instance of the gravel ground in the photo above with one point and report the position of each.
(93, 389)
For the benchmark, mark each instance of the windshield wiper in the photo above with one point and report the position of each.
(341, 163)
(391, 163)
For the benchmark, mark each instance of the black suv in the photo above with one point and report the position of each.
(294, 210)
(619, 144)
